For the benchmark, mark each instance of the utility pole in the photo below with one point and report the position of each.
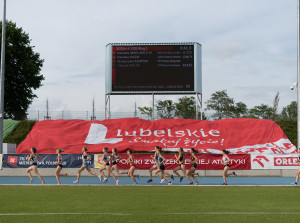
(2, 76)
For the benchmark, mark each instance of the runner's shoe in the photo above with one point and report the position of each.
(149, 181)
(43, 182)
(234, 174)
(100, 178)
(31, 181)
(135, 183)
(172, 177)
(191, 183)
(138, 176)
(162, 180)
(224, 184)
(294, 184)
(117, 182)
(169, 183)
(105, 180)
(75, 182)
(181, 178)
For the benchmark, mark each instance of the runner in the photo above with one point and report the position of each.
(115, 157)
(225, 162)
(130, 161)
(161, 160)
(180, 158)
(85, 165)
(155, 166)
(298, 172)
(33, 158)
(106, 166)
(157, 149)
(59, 166)
(105, 158)
(193, 165)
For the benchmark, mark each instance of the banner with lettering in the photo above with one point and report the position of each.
(46, 161)
(204, 162)
(239, 136)
(275, 161)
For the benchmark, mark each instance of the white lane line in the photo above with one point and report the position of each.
(29, 214)
(232, 213)
(122, 214)
(147, 185)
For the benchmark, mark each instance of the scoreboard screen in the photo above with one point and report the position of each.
(152, 68)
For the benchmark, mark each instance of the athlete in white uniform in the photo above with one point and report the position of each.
(225, 162)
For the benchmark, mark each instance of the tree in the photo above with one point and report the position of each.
(222, 104)
(22, 72)
(240, 110)
(290, 111)
(261, 112)
(146, 111)
(186, 107)
(165, 109)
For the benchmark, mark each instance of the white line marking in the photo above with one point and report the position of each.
(25, 214)
(232, 213)
(122, 214)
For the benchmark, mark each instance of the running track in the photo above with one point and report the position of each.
(203, 181)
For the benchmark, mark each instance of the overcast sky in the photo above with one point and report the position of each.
(249, 47)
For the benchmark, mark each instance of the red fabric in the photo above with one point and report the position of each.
(239, 136)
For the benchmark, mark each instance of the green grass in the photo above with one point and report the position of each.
(143, 203)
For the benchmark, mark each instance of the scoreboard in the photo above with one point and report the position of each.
(153, 68)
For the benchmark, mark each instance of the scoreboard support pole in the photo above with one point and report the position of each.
(198, 106)
(152, 106)
(107, 106)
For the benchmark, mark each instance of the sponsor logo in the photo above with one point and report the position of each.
(261, 160)
(12, 160)
(286, 161)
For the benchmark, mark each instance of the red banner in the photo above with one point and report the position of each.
(205, 162)
(239, 136)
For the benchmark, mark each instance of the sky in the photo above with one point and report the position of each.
(249, 47)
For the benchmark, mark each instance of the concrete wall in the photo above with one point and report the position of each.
(9, 148)
(203, 173)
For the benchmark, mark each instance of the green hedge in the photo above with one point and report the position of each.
(20, 132)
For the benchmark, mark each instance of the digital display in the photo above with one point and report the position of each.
(152, 68)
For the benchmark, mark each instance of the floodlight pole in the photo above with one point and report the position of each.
(2, 75)
(298, 76)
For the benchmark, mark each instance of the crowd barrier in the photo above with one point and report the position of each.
(145, 161)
